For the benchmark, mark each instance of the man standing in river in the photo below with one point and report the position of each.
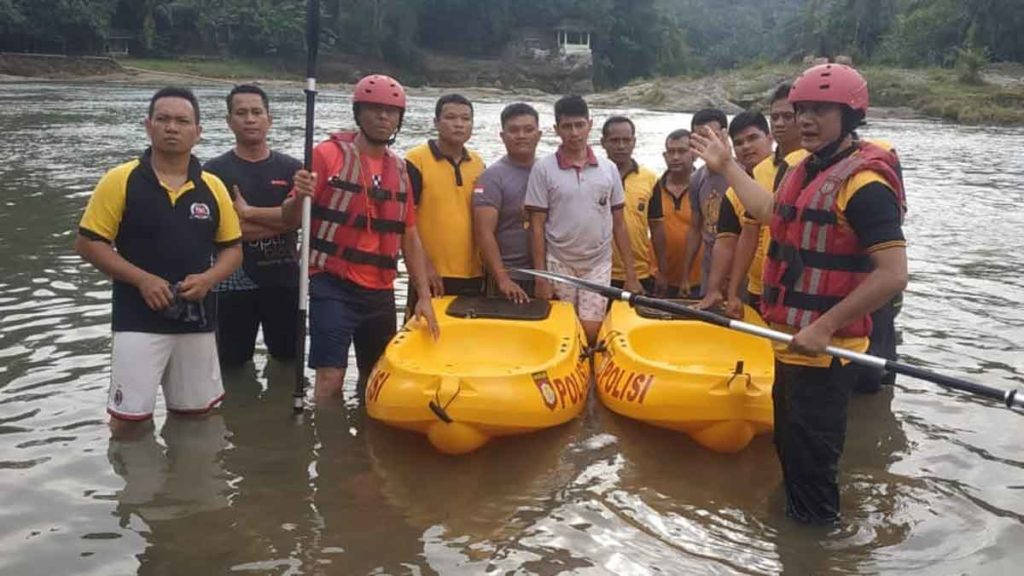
(499, 219)
(443, 173)
(642, 211)
(837, 254)
(264, 291)
(707, 189)
(153, 225)
(362, 217)
(575, 200)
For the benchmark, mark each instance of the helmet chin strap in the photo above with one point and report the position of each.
(377, 141)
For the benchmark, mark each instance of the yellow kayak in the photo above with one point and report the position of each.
(712, 383)
(498, 369)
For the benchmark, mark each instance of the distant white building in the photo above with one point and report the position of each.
(573, 39)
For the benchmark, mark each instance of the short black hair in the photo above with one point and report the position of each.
(708, 115)
(748, 119)
(450, 99)
(678, 135)
(518, 109)
(248, 89)
(781, 93)
(617, 120)
(174, 92)
(572, 105)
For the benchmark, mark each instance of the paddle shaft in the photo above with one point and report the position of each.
(313, 44)
(1008, 397)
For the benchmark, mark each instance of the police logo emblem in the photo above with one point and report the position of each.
(199, 211)
(547, 391)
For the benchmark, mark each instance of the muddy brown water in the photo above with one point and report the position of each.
(932, 481)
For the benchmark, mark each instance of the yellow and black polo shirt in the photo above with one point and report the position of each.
(443, 190)
(642, 208)
(166, 232)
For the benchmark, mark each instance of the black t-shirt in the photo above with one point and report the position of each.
(264, 184)
(873, 212)
(728, 220)
(875, 216)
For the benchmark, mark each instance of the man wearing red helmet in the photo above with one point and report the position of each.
(362, 215)
(837, 253)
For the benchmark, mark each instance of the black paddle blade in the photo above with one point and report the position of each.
(312, 36)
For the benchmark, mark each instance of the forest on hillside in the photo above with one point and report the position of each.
(631, 38)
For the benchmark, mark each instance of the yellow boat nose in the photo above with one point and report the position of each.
(455, 437)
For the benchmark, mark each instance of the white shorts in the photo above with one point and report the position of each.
(185, 365)
(590, 306)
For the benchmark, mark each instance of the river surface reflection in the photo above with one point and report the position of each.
(932, 481)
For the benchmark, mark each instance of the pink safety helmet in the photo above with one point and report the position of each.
(836, 83)
(379, 89)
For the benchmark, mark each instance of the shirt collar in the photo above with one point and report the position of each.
(564, 163)
(634, 168)
(663, 184)
(435, 150)
(195, 168)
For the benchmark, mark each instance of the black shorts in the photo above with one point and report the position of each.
(240, 313)
(342, 313)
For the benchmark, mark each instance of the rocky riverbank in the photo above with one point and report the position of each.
(997, 98)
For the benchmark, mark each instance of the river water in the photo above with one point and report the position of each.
(932, 481)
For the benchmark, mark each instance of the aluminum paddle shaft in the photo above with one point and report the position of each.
(1010, 398)
(312, 47)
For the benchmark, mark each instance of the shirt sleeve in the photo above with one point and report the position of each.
(537, 190)
(415, 181)
(229, 231)
(875, 217)
(696, 181)
(728, 221)
(655, 208)
(102, 217)
(487, 191)
(410, 202)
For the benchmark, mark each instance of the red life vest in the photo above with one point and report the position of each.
(350, 206)
(813, 262)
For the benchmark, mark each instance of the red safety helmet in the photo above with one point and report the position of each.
(836, 83)
(379, 89)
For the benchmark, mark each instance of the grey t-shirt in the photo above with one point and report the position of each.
(579, 204)
(708, 190)
(503, 186)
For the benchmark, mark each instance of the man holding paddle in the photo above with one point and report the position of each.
(837, 253)
(362, 215)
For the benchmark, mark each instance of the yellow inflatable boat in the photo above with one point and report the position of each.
(498, 369)
(712, 383)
